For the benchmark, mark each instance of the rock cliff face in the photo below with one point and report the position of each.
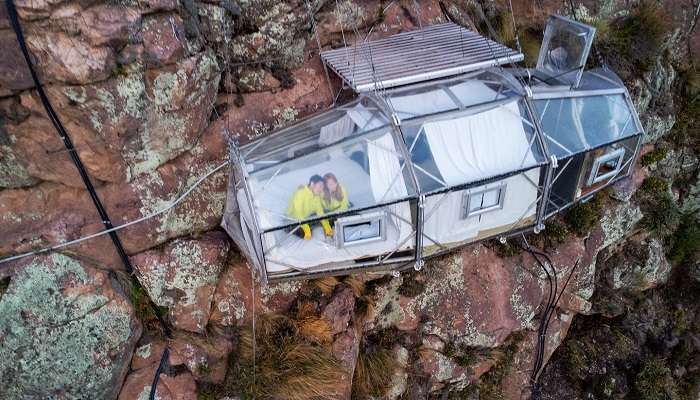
(151, 91)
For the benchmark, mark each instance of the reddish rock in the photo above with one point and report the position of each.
(182, 276)
(440, 369)
(163, 37)
(138, 385)
(265, 111)
(147, 354)
(233, 299)
(473, 297)
(14, 74)
(110, 25)
(70, 59)
(205, 357)
(338, 311)
(346, 347)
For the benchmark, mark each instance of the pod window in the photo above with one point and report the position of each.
(606, 166)
(360, 229)
(483, 201)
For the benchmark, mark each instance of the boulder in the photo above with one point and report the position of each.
(205, 357)
(14, 74)
(122, 127)
(67, 331)
(70, 59)
(163, 38)
(171, 385)
(472, 297)
(182, 276)
(233, 299)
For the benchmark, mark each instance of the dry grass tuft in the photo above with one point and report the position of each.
(356, 284)
(374, 372)
(305, 308)
(315, 330)
(325, 285)
(287, 364)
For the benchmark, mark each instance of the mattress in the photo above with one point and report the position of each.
(287, 252)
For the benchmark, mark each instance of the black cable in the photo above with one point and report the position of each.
(16, 26)
(14, 20)
(159, 370)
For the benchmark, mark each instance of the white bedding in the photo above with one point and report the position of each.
(290, 250)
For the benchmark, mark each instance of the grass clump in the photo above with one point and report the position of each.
(660, 212)
(655, 382)
(142, 306)
(556, 232)
(654, 156)
(374, 372)
(462, 355)
(325, 285)
(632, 43)
(410, 286)
(288, 364)
(583, 216)
(685, 242)
(376, 365)
(507, 249)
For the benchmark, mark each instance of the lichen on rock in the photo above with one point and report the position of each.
(66, 331)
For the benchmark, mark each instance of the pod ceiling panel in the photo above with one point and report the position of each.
(436, 51)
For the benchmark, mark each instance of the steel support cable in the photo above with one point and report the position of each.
(56, 122)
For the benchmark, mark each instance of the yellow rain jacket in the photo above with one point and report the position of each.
(335, 205)
(304, 204)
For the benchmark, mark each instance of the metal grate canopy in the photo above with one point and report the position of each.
(434, 52)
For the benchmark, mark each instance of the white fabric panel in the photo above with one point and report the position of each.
(469, 92)
(445, 223)
(387, 179)
(336, 131)
(474, 92)
(479, 146)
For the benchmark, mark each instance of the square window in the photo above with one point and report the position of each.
(359, 229)
(606, 166)
(483, 200)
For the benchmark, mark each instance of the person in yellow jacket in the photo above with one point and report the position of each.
(335, 197)
(306, 202)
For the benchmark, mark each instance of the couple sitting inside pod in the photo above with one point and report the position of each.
(323, 195)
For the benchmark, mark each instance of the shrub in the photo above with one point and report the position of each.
(685, 241)
(633, 42)
(582, 217)
(287, 364)
(655, 382)
(660, 212)
(654, 156)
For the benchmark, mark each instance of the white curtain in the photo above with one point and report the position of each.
(358, 116)
(336, 131)
(480, 146)
(386, 179)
